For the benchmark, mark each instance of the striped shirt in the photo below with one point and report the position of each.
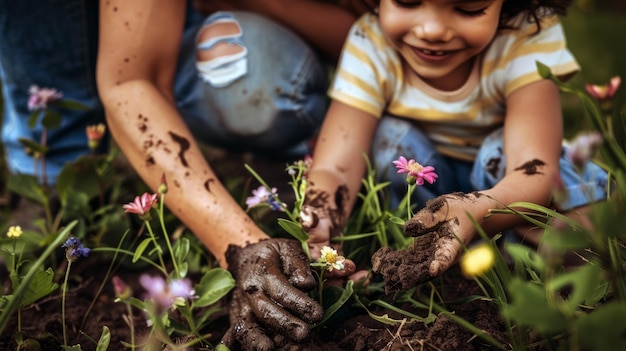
(370, 78)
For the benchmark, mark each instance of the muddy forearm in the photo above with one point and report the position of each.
(530, 182)
(156, 141)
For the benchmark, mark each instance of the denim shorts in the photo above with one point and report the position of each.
(397, 137)
(271, 109)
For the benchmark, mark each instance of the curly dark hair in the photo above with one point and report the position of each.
(511, 8)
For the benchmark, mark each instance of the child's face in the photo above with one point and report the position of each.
(439, 39)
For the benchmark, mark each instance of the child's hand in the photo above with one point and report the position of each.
(437, 229)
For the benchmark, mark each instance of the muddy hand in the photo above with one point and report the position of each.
(436, 247)
(268, 301)
(317, 223)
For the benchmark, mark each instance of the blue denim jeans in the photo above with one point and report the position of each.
(279, 102)
(397, 137)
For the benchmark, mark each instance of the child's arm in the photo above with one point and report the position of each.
(532, 145)
(334, 178)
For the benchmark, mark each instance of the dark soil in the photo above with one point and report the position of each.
(351, 328)
(42, 322)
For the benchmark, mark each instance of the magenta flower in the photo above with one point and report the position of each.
(166, 295)
(604, 92)
(416, 172)
(41, 97)
(142, 205)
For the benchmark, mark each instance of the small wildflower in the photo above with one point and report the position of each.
(122, 290)
(583, 148)
(604, 92)
(74, 249)
(417, 173)
(41, 97)
(333, 260)
(262, 195)
(141, 205)
(95, 133)
(14, 231)
(163, 185)
(165, 295)
(477, 260)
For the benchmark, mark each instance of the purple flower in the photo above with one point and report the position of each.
(142, 205)
(74, 249)
(262, 195)
(41, 97)
(167, 295)
(416, 172)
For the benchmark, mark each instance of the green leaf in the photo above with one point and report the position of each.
(522, 254)
(11, 303)
(604, 328)
(33, 146)
(530, 308)
(181, 249)
(345, 296)
(41, 285)
(32, 119)
(544, 71)
(51, 119)
(222, 347)
(214, 285)
(584, 281)
(71, 105)
(27, 186)
(385, 319)
(105, 339)
(141, 248)
(294, 229)
(72, 348)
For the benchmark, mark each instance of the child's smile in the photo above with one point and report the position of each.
(439, 39)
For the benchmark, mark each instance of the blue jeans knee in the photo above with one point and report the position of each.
(275, 94)
(397, 137)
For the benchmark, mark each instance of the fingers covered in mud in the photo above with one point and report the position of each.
(429, 256)
(269, 298)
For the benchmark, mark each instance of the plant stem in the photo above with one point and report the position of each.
(156, 244)
(67, 274)
(167, 238)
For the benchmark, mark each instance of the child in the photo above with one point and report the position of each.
(454, 85)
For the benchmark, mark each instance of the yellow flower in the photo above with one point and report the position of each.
(331, 258)
(477, 260)
(14, 231)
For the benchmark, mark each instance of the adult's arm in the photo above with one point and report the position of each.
(138, 50)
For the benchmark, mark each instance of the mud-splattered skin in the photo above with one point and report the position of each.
(531, 167)
(271, 276)
(320, 204)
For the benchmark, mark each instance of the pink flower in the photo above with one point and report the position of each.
(142, 205)
(122, 290)
(604, 92)
(416, 170)
(41, 97)
(583, 148)
(95, 134)
(167, 295)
